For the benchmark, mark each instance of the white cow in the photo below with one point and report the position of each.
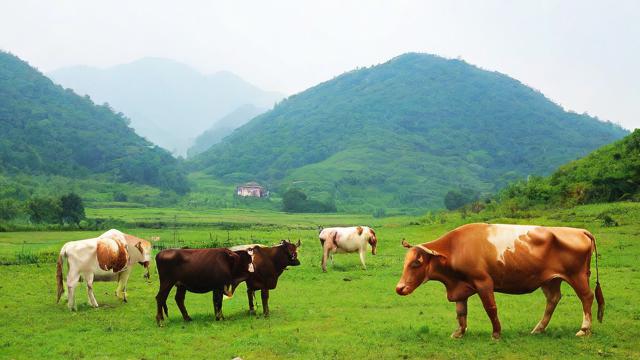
(346, 240)
(108, 257)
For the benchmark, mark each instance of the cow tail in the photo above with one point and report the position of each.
(598, 291)
(59, 266)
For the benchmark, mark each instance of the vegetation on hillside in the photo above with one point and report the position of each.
(611, 173)
(404, 133)
(45, 129)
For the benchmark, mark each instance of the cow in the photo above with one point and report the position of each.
(109, 257)
(142, 257)
(269, 263)
(200, 271)
(346, 240)
(513, 259)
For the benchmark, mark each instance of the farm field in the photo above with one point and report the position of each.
(345, 313)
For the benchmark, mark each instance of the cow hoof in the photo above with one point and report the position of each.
(583, 332)
(252, 312)
(537, 330)
(187, 319)
(495, 336)
(457, 334)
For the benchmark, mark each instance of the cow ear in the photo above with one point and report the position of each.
(406, 244)
(429, 251)
(298, 243)
(139, 247)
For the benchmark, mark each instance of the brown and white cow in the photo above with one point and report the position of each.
(269, 263)
(346, 240)
(513, 259)
(108, 257)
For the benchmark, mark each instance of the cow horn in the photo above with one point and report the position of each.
(406, 244)
(428, 251)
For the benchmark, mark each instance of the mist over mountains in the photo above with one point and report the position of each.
(168, 102)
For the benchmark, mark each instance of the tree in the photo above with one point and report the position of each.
(72, 208)
(293, 200)
(455, 199)
(44, 210)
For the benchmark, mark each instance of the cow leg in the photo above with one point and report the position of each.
(581, 286)
(364, 266)
(485, 291)
(461, 314)
(180, 294)
(92, 298)
(264, 294)
(250, 295)
(551, 291)
(161, 300)
(72, 281)
(325, 254)
(123, 279)
(217, 304)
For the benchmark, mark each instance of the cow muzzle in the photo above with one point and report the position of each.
(374, 250)
(403, 290)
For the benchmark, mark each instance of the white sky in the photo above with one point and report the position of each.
(584, 55)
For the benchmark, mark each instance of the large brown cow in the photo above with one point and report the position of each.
(512, 259)
(269, 263)
(199, 271)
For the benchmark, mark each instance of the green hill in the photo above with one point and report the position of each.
(403, 133)
(611, 173)
(47, 130)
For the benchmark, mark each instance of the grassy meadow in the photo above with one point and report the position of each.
(343, 314)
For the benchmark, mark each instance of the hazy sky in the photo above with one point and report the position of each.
(584, 55)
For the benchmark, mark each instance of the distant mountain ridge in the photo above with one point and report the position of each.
(223, 127)
(168, 102)
(403, 133)
(45, 129)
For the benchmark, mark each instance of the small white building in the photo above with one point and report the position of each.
(252, 189)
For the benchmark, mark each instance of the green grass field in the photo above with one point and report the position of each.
(346, 313)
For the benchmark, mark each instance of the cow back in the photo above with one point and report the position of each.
(112, 254)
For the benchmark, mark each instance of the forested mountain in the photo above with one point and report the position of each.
(405, 132)
(168, 102)
(611, 173)
(45, 129)
(223, 127)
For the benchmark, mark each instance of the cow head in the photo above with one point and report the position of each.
(143, 256)
(373, 241)
(291, 252)
(418, 266)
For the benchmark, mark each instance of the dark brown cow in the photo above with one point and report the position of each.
(269, 263)
(199, 271)
(512, 259)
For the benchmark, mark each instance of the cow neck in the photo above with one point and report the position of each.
(441, 270)
(278, 257)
